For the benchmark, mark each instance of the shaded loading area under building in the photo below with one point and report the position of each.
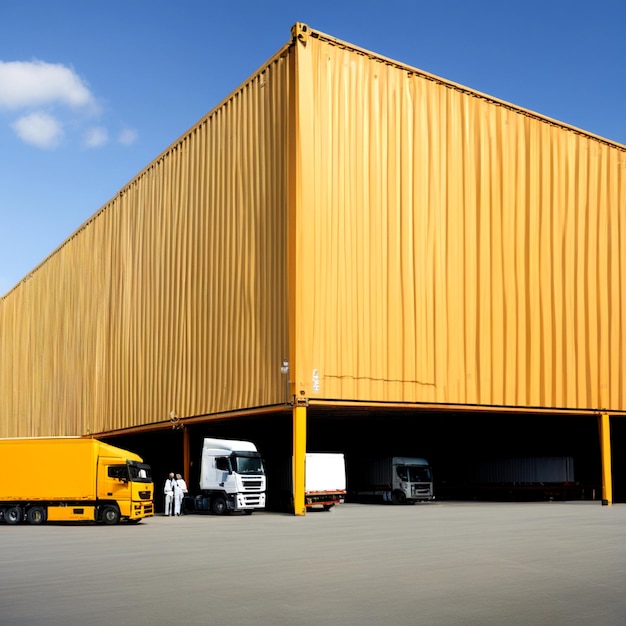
(457, 444)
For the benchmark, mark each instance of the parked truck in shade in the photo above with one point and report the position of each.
(72, 479)
(232, 478)
(523, 478)
(397, 479)
(324, 478)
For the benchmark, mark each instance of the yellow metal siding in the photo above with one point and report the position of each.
(454, 249)
(173, 297)
(403, 239)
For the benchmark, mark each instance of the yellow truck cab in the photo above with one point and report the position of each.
(72, 479)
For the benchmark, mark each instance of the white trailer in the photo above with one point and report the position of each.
(398, 479)
(232, 478)
(325, 479)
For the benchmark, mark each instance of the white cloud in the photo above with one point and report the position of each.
(95, 137)
(36, 83)
(51, 99)
(128, 136)
(39, 129)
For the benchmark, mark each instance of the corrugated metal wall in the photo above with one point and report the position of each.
(173, 297)
(443, 248)
(455, 249)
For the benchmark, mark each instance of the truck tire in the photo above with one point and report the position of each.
(398, 497)
(13, 515)
(218, 506)
(36, 515)
(328, 507)
(110, 514)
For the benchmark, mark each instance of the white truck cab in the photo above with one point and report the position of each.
(232, 477)
(411, 480)
(397, 479)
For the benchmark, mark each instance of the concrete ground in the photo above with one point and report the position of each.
(434, 564)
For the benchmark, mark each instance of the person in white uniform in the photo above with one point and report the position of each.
(180, 489)
(168, 490)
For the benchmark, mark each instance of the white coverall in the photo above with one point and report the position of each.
(168, 490)
(180, 489)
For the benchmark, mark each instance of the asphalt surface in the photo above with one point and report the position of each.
(433, 564)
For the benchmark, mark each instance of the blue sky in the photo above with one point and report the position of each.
(92, 91)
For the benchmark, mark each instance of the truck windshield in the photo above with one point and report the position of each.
(414, 473)
(247, 464)
(139, 472)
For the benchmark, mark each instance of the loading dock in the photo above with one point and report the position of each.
(359, 432)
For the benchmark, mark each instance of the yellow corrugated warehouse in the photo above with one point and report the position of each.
(399, 239)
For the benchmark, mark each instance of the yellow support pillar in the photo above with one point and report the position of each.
(299, 458)
(186, 457)
(604, 425)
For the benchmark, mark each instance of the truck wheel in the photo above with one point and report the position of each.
(13, 515)
(110, 515)
(36, 515)
(219, 506)
(398, 497)
(328, 507)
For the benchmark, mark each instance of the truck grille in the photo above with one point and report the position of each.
(144, 495)
(253, 485)
(420, 490)
(252, 500)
